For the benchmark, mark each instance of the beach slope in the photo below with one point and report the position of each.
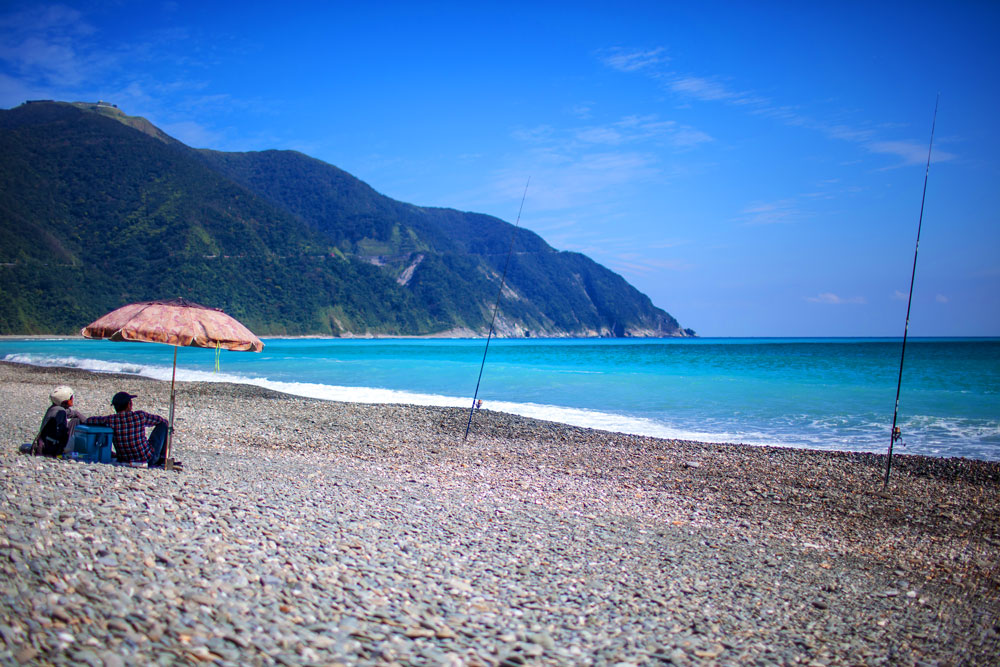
(310, 532)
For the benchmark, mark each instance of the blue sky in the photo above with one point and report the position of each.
(755, 168)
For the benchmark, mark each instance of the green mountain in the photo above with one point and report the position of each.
(98, 209)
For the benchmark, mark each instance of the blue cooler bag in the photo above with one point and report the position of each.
(91, 443)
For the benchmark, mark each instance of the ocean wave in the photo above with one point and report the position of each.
(584, 418)
(95, 365)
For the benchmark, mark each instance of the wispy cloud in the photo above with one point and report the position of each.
(715, 89)
(783, 211)
(903, 296)
(565, 180)
(553, 226)
(669, 244)
(573, 166)
(600, 135)
(537, 134)
(54, 52)
(833, 299)
(636, 263)
(910, 152)
(633, 60)
(193, 134)
(582, 110)
(688, 137)
(14, 91)
(643, 129)
(41, 45)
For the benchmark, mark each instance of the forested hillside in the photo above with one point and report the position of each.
(98, 209)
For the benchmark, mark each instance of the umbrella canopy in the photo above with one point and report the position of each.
(174, 322)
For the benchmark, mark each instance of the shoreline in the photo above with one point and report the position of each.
(254, 390)
(583, 417)
(373, 533)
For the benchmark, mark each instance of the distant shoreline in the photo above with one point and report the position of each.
(39, 337)
(472, 336)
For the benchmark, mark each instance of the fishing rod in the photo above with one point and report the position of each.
(896, 434)
(510, 251)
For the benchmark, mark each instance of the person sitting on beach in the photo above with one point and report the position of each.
(129, 426)
(57, 424)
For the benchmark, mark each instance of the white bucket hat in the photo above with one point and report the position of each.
(60, 395)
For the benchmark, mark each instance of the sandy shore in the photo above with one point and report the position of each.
(312, 532)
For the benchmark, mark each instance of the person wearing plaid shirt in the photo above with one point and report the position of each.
(129, 426)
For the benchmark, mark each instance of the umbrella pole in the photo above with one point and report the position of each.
(168, 461)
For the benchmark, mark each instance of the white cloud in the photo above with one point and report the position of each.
(537, 134)
(634, 129)
(56, 63)
(44, 18)
(15, 91)
(910, 152)
(53, 52)
(669, 244)
(193, 134)
(714, 90)
(782, 211)
(941, 298)
(600, 135)
(632, 60)
(42, 45)
(833, 299)
(846, 133)
(651, 127)
(635, 263)
(566, 177)
(571, 167)
(559, 181)
(703, 89)
(552, 226)
(686, 137)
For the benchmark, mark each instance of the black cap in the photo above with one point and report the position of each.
(121, 399)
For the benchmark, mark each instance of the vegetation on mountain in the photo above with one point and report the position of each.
(98, 209)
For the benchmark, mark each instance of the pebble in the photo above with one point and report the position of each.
(311, 532)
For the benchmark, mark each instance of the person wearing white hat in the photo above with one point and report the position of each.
(57, 424)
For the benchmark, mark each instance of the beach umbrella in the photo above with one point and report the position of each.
(174, 322)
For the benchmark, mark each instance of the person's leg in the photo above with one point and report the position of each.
(157, 440)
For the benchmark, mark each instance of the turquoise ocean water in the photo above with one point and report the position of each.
(817, 393)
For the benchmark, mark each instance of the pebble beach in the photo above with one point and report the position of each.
(308, 532)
